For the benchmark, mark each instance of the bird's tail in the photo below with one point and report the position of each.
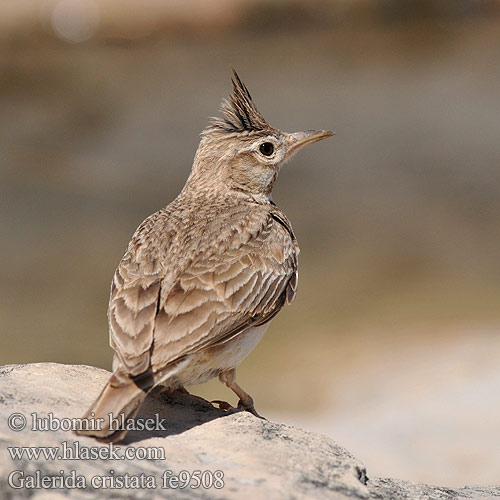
(118, 402)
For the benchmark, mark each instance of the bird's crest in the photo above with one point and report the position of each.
(239, 112)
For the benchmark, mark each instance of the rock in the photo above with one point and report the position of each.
(189, 443)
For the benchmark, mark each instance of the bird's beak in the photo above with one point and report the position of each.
(298, 140)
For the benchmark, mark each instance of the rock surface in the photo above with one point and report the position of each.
(195, 443)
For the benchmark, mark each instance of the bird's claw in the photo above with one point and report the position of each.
(250, 409)
(223, 405)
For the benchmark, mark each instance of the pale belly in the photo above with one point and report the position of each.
(203, 366)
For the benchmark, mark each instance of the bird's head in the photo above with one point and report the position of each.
(241, 151)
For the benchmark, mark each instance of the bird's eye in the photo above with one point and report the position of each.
(266, 148)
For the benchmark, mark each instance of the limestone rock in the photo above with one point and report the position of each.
(190, 442)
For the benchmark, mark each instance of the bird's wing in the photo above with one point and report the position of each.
(225, 292)
(135, 295)
(243, 279)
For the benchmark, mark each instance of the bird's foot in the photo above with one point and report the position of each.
(223, 405)
(249, 408)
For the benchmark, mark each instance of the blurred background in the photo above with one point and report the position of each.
(392, 347)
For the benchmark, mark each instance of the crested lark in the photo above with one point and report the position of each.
(202, 278)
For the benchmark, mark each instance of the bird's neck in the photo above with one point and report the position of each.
(214, 185)
(211, 194)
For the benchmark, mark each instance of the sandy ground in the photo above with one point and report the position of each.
(422, 411)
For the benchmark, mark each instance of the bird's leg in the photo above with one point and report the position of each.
(246, 402)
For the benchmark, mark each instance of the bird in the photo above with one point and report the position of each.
(202, 278)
